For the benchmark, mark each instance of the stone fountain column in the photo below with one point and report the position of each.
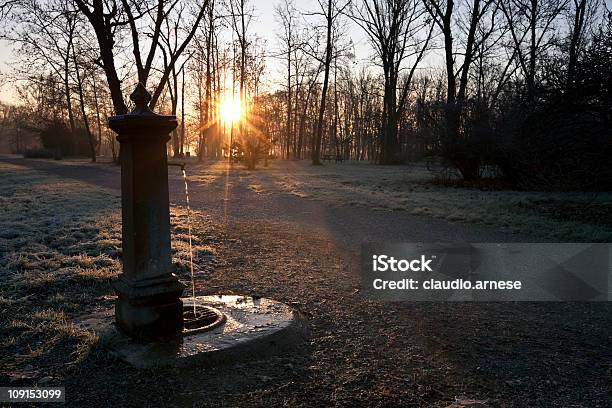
(148, 305)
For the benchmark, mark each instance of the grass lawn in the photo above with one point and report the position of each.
(60, 247)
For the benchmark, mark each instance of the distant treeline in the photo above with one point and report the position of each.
(516, 89)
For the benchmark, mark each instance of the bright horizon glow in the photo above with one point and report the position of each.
(230, 110)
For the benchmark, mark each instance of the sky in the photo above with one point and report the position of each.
(268, 27)
(265, 25)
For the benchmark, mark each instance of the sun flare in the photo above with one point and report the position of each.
(230, 110)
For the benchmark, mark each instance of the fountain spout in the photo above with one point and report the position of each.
(181, 165)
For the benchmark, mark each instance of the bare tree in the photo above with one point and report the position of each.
(397, 31)
(330, 10)
(531, 25)
(104, 21)
(580, 14)
(286, 14)
(81, 93)
(170, 43)
(307, 71)
(205, 69)
(6, 7)
(106, 17)
(442, 13)
(45, 34)
(241, 14)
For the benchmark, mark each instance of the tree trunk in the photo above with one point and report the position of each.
(532, 50)
(575, 41)
(173, 88)
(289, 101)
(469, 50)
(98, 119)
(75, 141)
(389, 128)
(183, 112)
(92, 144)
(316, 153)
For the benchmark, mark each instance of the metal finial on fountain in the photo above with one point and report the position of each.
(141, 98)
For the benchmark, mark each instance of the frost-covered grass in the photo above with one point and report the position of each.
(60, 247)
(572, 216)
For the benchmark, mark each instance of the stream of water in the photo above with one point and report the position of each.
(190, 246)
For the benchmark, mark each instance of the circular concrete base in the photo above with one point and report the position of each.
(253, 327)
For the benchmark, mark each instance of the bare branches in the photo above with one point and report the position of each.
(395, 30)
(6, 6)
(106, 19)
(179, 51)
(530, 25)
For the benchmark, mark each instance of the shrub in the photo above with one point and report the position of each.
(57, 135)
(42, 153)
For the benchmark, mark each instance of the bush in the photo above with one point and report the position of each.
(562, 138)
(56, 135)
(558, 146)
(42, 153)
(466, 140)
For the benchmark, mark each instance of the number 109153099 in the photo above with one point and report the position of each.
(32, 394)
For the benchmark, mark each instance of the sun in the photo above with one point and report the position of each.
(230, 110)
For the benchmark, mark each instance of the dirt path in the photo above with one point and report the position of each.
(228, 197)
